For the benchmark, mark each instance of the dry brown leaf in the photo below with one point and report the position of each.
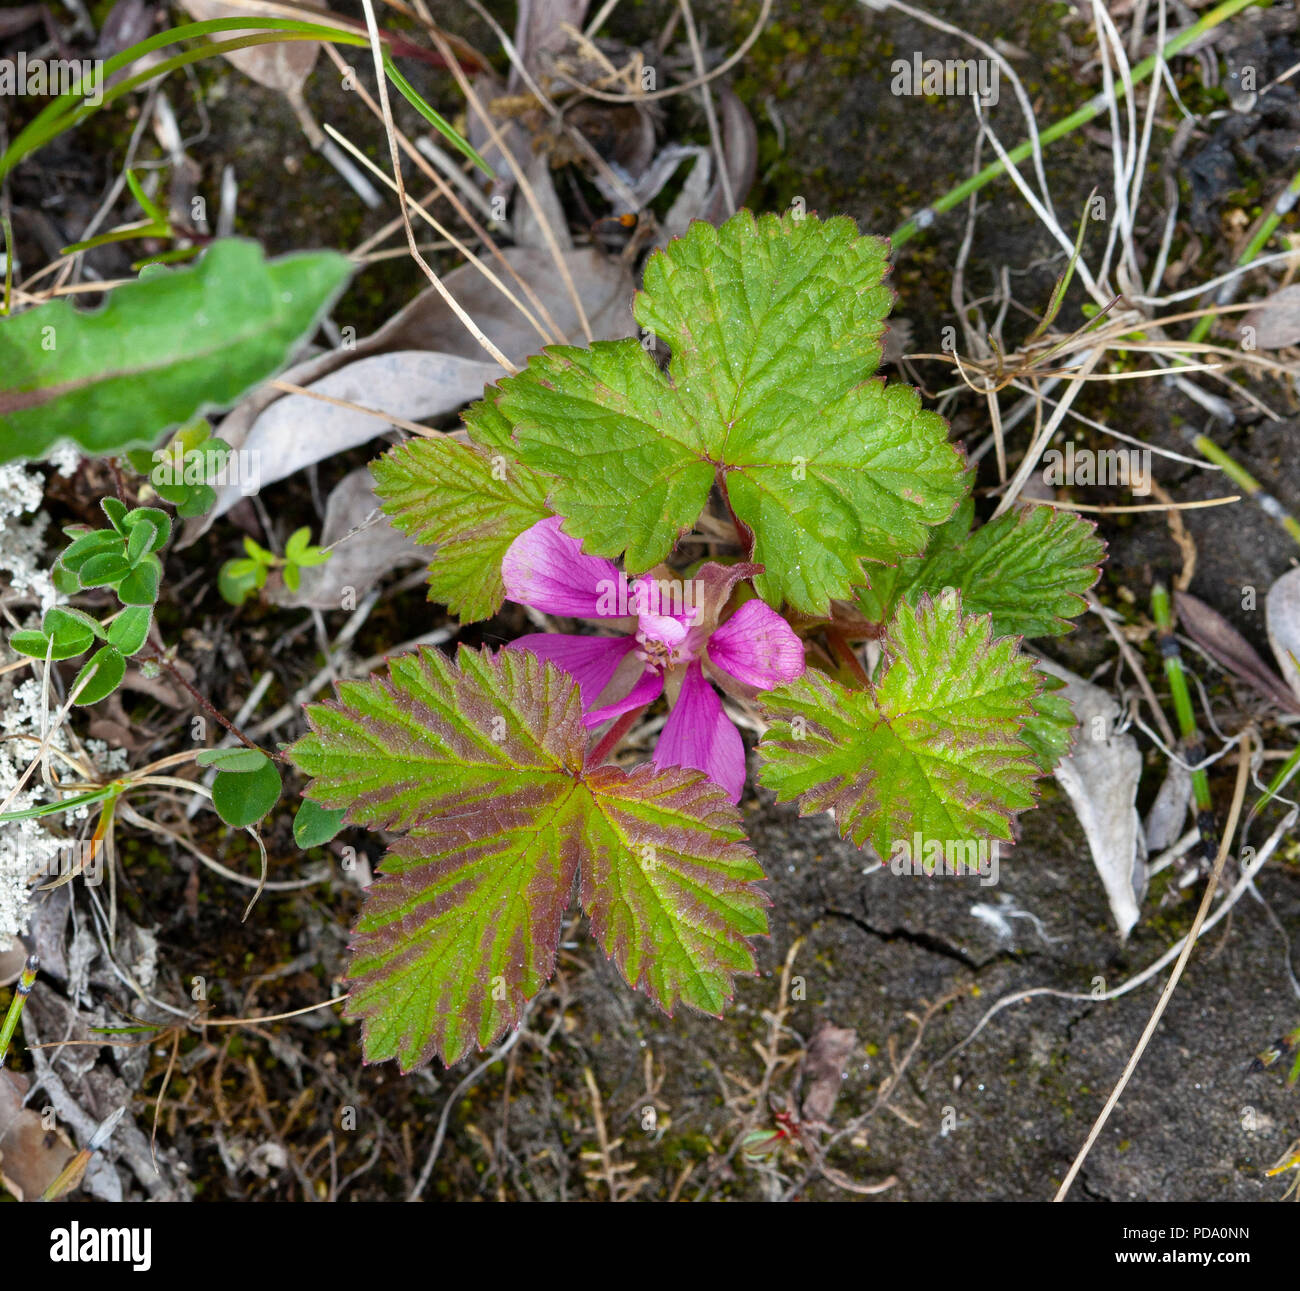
(829, 1052)
(1100, 777)
(1282, 613)
(1275, 321)
(31, 1157)
(1223, 643)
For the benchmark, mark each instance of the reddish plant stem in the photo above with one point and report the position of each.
(614, 734)
(846, 654)
(210, 709)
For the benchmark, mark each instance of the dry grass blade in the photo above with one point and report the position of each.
(1211, 887)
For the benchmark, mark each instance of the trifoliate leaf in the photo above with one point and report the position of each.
(140, 586)
(469, 501)
(1028, 568)
(242, 798)
(774, 327)
(483, 761)
(934, 747)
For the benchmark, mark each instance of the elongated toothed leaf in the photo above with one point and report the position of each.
(1028, 568)
(469, 501)
(482, 761)
(774, 327)
(162, 349)
(936, 746)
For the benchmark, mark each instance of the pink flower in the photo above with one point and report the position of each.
(676, 640)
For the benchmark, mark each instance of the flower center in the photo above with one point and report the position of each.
(666, 640)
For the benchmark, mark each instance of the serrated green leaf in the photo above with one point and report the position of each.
(314, 825)
(130, 630)
(469, 501)
(160, 350)
(105, 670)
(1028, 568)
(236, 760)
(483, 761)
(774, 327)
(1050, 731)
(242, 798)
(934, 747)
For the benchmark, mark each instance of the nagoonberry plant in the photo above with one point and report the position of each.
(774, 505)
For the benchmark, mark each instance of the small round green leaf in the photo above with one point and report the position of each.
(140, 586)
(141, 541)
(315, 825)
(95, 543)
(199, 499)
(243, 798)
(65, 581)
(109, 667)
(33, 644)
(104, 570)
(236, 760)
(116, 512)
(63, 619)
(235, 583)
(160, 521)
(130, 630)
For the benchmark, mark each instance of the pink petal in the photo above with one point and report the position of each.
(592, 661)
(757, 646)
(646, 691)
(548, 570)
(699, 734)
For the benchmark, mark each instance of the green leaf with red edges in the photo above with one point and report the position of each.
(934, 746)
(470, 501)
(482, 762)
(774, 327)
